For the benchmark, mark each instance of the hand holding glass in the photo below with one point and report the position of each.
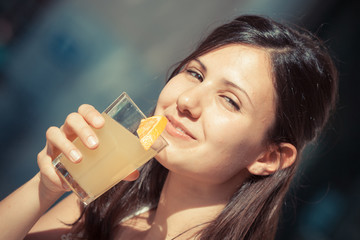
(119, 152)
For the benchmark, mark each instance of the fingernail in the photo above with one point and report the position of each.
(75, 155)
(92, 141)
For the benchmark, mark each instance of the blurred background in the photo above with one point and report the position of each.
(56, 55)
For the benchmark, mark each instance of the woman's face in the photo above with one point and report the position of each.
(219, 107)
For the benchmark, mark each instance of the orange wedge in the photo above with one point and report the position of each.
(150, 129)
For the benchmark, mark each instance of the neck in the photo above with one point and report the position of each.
(186, 207)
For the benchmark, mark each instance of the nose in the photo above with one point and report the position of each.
(189, 103)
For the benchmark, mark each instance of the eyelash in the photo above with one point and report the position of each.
(199, 77)
(233, 104)
(195, 74)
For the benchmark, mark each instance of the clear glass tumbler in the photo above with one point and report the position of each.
(118, 154)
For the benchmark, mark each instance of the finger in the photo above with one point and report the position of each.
(42, 153)
(49, 175)
(91, 116)
(132, 176)
(48, 151)
(76, 124)
(57, 138)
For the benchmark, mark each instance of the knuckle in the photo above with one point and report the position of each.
(51, 131)
(84, 108)
(39, 155)
(71, 118)
(43, 162)
(39, 161)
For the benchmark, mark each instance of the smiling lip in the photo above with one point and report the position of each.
(176, 129)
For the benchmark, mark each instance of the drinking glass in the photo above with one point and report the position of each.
(118, 154)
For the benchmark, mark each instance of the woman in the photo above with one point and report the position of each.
(241, 109)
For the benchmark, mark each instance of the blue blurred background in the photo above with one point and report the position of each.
(56, 55)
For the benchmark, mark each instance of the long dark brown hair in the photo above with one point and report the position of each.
(305, 80)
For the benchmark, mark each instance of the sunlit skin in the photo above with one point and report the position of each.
(224, 102)
(223, 164)
(220, 107)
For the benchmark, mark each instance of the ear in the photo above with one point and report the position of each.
(277, 157)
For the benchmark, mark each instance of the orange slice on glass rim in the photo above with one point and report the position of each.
(150, 129)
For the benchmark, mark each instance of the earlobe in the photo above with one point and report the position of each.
(277, 157)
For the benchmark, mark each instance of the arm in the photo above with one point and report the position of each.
(24, 207)
(21, 209)
(54, 222)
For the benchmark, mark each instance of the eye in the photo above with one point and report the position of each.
(231, 103)
(195, 74)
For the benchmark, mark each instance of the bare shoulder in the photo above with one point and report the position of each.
(54, 222)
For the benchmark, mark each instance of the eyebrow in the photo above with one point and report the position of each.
(201, 64)
(226, 82)
(231, 84)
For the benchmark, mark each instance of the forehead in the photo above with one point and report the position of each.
(240, 56)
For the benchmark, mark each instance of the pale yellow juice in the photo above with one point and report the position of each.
(118, 154)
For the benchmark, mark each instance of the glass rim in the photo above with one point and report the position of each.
(118, 99)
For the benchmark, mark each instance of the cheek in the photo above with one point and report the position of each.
(234, 138)
(165, 99)
(168, 95)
